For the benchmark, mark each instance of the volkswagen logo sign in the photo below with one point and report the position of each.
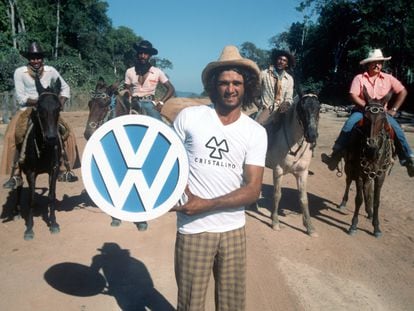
(135, 168)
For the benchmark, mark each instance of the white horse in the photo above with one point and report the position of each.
(292, 137)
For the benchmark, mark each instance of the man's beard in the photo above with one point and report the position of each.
(142, 69)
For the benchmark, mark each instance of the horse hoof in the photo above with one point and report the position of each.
(115, 223)
(142, 226)
(276, 227)
(28, 236)
(54, 229)
(378, 234)
(313, 234)
(342, 207)
(352, 232)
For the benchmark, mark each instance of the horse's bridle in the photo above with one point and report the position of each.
(299, 119)
(100, 95)
(364, 162)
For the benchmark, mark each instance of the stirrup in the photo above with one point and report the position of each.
(14, 182)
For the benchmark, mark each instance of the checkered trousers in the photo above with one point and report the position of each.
(196, 255)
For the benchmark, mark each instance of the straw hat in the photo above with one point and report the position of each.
(33, 49)
(145, 46)
(374, 55)
(230, 56)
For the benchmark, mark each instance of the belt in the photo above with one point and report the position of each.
(146, 97)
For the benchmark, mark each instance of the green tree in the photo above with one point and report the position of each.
(250, 51)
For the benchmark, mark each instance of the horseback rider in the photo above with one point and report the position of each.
(378, 84)
(142, 79)
(27, 96)
(276, 85)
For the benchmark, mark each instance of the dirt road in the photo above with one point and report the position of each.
(287, 270)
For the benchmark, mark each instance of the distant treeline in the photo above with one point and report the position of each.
(328, 43)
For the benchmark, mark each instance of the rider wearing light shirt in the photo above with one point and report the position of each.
(27, 96)
(141, 82)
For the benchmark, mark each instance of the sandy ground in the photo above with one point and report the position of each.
(287, 270)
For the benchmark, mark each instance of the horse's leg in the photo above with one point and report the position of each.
(17, 209)
(301, 180)
(53, 225)
(277, 194)
(29, 233)
(358, 202)
(345, 197)
(368, 197)
(377, 197)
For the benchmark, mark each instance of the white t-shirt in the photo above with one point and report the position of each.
(217, 154)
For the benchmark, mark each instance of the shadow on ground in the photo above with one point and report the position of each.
(112, 272)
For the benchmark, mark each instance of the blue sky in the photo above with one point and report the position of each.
(192, 33)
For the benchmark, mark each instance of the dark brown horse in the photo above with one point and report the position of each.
(368, 160)
(41, 153)
(100, 106)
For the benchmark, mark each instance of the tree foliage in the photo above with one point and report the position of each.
(88, 46)
(335, 36)
(328, 43)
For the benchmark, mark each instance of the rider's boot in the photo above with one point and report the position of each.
(406, 160)
(332, 160)
(409, 164)
(15, 179)
(66, 175)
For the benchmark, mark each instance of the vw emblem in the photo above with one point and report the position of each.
(135, 168)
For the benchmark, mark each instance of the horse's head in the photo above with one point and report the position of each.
(374, 115)
(48, 110)
(308, 114)
(99, 106)
(374, 123)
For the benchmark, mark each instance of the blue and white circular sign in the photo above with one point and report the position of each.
(135, 168)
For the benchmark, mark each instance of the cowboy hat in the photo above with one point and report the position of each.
(277, 53)
(33, 49)
(374, 55)
(109, 247)
(230, 56)
(145, 46)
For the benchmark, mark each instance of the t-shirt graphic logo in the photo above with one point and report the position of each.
(218, 148)
(135, 168)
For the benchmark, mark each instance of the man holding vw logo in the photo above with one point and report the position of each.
(226, 151)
